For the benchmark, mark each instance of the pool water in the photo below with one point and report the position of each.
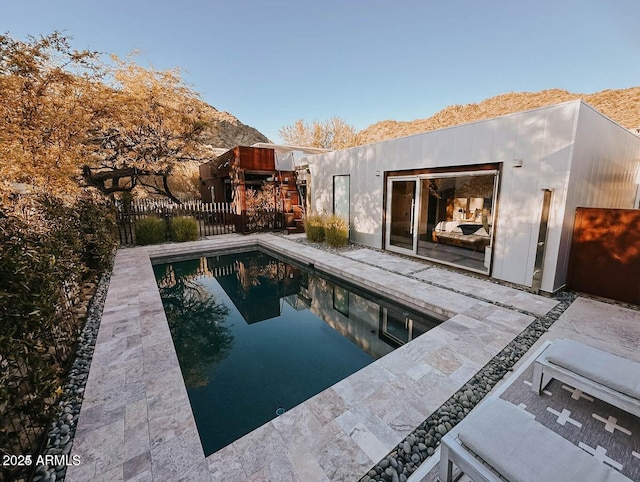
(256, 335)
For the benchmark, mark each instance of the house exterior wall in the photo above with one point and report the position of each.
(205, 182)
(542, 138)
(604, 173)
(212, 173)
(584, 158)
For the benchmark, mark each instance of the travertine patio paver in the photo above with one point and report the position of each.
(459, 282)
(538, 305)
(136, 422)
(397, 264)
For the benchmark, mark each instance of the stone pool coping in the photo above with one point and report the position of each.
(136, 422)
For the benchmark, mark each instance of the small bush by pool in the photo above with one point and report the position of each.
(150, 230)
(184, 228)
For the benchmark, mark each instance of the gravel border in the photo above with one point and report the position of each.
(62, 431)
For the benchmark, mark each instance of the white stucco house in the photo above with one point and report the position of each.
(496, 196)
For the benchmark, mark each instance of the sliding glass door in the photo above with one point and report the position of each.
(447, 217)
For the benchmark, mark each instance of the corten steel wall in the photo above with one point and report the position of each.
(605, 253)
(255, 158)
(238, 159)
(212, 174)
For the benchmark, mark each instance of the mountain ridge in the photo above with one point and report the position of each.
(620, 105)
(227, 131)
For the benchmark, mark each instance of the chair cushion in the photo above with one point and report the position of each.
(604, 368)
(523, 450)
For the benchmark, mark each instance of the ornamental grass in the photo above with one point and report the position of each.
(314, 227)
(336, 231)
(150, 230)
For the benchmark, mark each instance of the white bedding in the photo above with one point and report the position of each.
(452, 227)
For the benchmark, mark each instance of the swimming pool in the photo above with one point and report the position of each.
(256, 335)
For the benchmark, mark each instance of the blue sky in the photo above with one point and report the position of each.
(270, 63)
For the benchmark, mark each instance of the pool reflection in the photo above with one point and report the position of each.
(255, 334)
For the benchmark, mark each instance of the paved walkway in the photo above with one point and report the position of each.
(136, 422)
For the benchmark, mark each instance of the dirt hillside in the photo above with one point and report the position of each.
(622, 106)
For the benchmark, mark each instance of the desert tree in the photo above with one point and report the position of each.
(46, 89)
(152, 122)
(334, 133)
(67, 119)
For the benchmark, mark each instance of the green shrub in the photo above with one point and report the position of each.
(47, 251)
(184, 228)
(40, 269)
(150, 230)
(97, 225)
(336, 231)
(59, 225)
(314, 227)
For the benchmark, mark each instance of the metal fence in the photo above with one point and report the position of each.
(212, 218)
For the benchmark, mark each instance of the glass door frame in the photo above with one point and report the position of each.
(413, 217)
(418, 178)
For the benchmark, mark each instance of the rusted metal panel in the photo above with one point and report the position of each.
(230, 175)
(239, 158)
(605, 254)
(256, 158)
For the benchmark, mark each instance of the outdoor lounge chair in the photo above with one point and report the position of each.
(608, 377)
(499, 441)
